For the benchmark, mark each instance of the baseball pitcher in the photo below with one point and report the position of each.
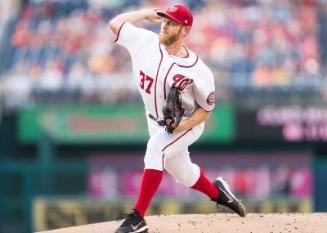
(178, 92)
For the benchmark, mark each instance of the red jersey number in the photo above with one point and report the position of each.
(146, 82)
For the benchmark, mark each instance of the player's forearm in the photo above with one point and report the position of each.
(197, 117)
(131, 17)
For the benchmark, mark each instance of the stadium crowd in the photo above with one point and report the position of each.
(63, 50)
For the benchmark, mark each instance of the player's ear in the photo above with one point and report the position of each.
(186, 30)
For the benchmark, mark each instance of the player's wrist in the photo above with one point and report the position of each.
(151, 15)
(147, 12)
(183, 125)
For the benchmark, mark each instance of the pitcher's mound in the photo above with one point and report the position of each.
(219, 223)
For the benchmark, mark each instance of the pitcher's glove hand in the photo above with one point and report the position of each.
(172, 110)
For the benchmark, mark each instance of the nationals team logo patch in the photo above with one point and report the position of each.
(211, 98)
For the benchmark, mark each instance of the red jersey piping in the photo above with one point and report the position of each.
(155, 84)
(117, 37)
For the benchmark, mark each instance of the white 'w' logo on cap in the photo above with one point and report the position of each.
(172, 9)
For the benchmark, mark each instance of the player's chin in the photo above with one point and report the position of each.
(162, 38)
(166, 41)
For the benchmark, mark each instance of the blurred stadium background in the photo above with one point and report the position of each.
(72, 127)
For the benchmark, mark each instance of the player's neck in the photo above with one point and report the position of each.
(176, 49)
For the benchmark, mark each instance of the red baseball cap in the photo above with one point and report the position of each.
(179, 13)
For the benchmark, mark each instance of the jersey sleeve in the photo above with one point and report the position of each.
(134, 38)
(204, 91)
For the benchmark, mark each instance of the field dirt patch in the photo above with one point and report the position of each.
(218, 223)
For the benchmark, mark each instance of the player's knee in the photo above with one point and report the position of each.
(153, 163)
(184, 180)
(186, 174)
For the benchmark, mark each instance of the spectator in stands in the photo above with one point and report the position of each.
(254, 44)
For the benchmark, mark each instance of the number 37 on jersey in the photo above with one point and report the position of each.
(179, 81)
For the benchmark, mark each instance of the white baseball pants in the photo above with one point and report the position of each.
(170, 152)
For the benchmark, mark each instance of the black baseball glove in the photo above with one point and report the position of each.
(172, 110)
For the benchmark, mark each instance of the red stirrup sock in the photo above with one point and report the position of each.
(205, 186)
(150, 182)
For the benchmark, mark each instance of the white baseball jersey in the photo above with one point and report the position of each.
(155, 72)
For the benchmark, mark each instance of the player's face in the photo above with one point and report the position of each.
(170, 32)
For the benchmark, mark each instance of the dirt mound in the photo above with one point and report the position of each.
(218, 223)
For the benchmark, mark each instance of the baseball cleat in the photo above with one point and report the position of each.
(227, 198)
(133, 223)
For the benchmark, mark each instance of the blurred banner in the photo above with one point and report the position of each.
(257, 176)
(83, 124)
(107, 124)
(266, 182)
(283, 124)
(126, 124)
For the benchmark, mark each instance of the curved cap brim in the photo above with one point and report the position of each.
(163, 14)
